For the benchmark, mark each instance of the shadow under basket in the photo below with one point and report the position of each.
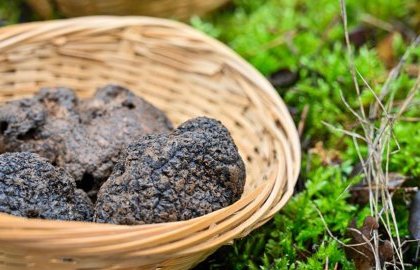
(184, 73)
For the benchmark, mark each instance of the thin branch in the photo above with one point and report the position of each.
(350, 55)
(349, 133)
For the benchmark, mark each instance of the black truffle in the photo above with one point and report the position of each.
(18, 121)
(85, 138)
(113, 118)
(48, 124)
(31, 187)
(192, 171)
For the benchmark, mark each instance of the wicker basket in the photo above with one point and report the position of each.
(186, 74)
(180, 9)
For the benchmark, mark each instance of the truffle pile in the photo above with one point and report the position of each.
(31, 187)
(83, 137)
(58, 149)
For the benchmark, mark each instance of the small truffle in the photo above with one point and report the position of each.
(31, 187)
(189, 172)
(85, 138)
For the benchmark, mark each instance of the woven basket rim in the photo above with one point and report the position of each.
(12, 35)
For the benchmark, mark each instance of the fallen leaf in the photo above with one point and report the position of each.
(385, 50)
(360, 191)
(328, 157)
(360, 248)
(283, 78)
(361, 35)
(414, 225)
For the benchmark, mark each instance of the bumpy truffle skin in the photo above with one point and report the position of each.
(31, 187)
(85, 138)
(18, 120)
(42, 124)
(192, 171)
(113, 118)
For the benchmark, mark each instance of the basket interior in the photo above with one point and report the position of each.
(183, 79)
(182, 72)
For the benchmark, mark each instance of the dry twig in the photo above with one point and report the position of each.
(377, 136)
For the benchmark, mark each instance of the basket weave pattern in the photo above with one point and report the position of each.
(182, 72)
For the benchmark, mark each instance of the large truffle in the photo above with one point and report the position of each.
(85, 138)
(192, 171)
(31, 187)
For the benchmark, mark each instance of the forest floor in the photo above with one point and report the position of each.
(358, 117)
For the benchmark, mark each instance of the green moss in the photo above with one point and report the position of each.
(307, 37)
(297, 239)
